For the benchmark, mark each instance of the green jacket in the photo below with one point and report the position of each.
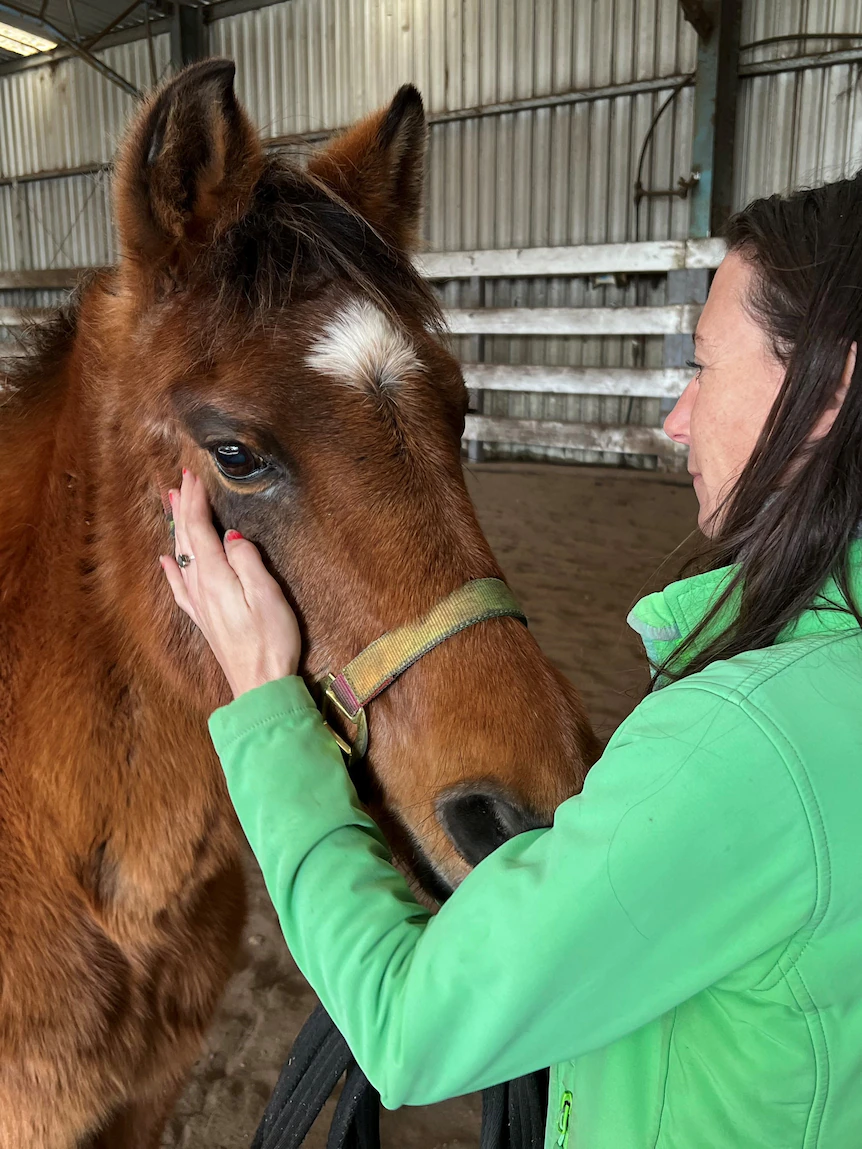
(684, 946)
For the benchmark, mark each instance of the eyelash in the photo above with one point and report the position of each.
(690, 363)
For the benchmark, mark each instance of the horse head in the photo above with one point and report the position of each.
(266, 328)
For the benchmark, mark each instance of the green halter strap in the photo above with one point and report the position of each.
(379, 664)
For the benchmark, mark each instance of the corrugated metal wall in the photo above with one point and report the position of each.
(798, 127)
(543, 175)
(67, 115)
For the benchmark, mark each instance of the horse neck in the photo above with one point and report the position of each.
(49, 486)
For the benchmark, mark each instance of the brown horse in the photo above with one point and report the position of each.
(265, 327)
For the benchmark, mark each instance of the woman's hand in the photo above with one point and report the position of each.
(229, 594)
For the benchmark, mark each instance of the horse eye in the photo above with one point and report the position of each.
(236, 461)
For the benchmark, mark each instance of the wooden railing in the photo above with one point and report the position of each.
(651, 258)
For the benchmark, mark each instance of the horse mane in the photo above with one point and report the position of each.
(45, 345)
(30, 377)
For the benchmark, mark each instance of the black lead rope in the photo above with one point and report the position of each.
(513, 1115)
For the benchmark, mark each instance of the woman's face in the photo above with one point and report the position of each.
(736, 380)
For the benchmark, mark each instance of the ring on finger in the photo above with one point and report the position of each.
(184, 561)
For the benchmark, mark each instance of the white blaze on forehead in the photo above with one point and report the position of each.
(361, 346)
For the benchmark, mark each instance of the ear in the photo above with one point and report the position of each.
(824, 424)
(378, 168)
(187, 167)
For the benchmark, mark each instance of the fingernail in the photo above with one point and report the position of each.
(171, 495)
(185, 472)
(231, 536)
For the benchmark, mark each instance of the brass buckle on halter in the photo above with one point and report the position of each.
(354, 752)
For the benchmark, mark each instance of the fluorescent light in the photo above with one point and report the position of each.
(23, 43)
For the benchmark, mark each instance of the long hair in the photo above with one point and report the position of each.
(788, 522)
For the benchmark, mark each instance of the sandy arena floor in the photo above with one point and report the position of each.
(578, 546)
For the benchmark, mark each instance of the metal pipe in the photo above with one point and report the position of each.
(59, 37)
(275, 143)
(579, 96)
(767, 67)
(802, 63)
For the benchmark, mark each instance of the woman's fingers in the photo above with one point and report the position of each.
(197, 537)
(197, 528)
(229, 594)
(175, 580)
(181, 543)
(244, 558)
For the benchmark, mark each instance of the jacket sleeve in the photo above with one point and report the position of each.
(687, 854)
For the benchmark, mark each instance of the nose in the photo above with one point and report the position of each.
(478, 821)
(678, 422)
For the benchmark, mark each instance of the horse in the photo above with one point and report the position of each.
(265, 326)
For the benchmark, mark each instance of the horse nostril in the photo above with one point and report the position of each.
(477, 823)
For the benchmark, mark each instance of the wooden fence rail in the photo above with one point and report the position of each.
(651, 258)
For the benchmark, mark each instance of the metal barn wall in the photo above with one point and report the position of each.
(798, 128)
(559, 171)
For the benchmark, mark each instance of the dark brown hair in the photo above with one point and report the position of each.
(788, 523)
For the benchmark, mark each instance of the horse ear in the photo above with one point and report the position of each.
(378, 167)
(187, 166)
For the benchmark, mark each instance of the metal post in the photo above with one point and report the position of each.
(475, 449)
(716, 84)
(187, 35)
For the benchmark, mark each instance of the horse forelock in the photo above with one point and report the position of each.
(296, 236)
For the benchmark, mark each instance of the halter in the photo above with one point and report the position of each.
(379, 664)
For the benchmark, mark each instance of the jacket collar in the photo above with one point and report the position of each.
(667, 617)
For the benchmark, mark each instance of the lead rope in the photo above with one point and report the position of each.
(513, 1115)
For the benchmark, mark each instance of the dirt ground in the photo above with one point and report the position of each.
(578, 546)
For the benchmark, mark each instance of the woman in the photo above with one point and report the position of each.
(684, 944)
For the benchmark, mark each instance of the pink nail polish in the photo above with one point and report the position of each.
(231, 536)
